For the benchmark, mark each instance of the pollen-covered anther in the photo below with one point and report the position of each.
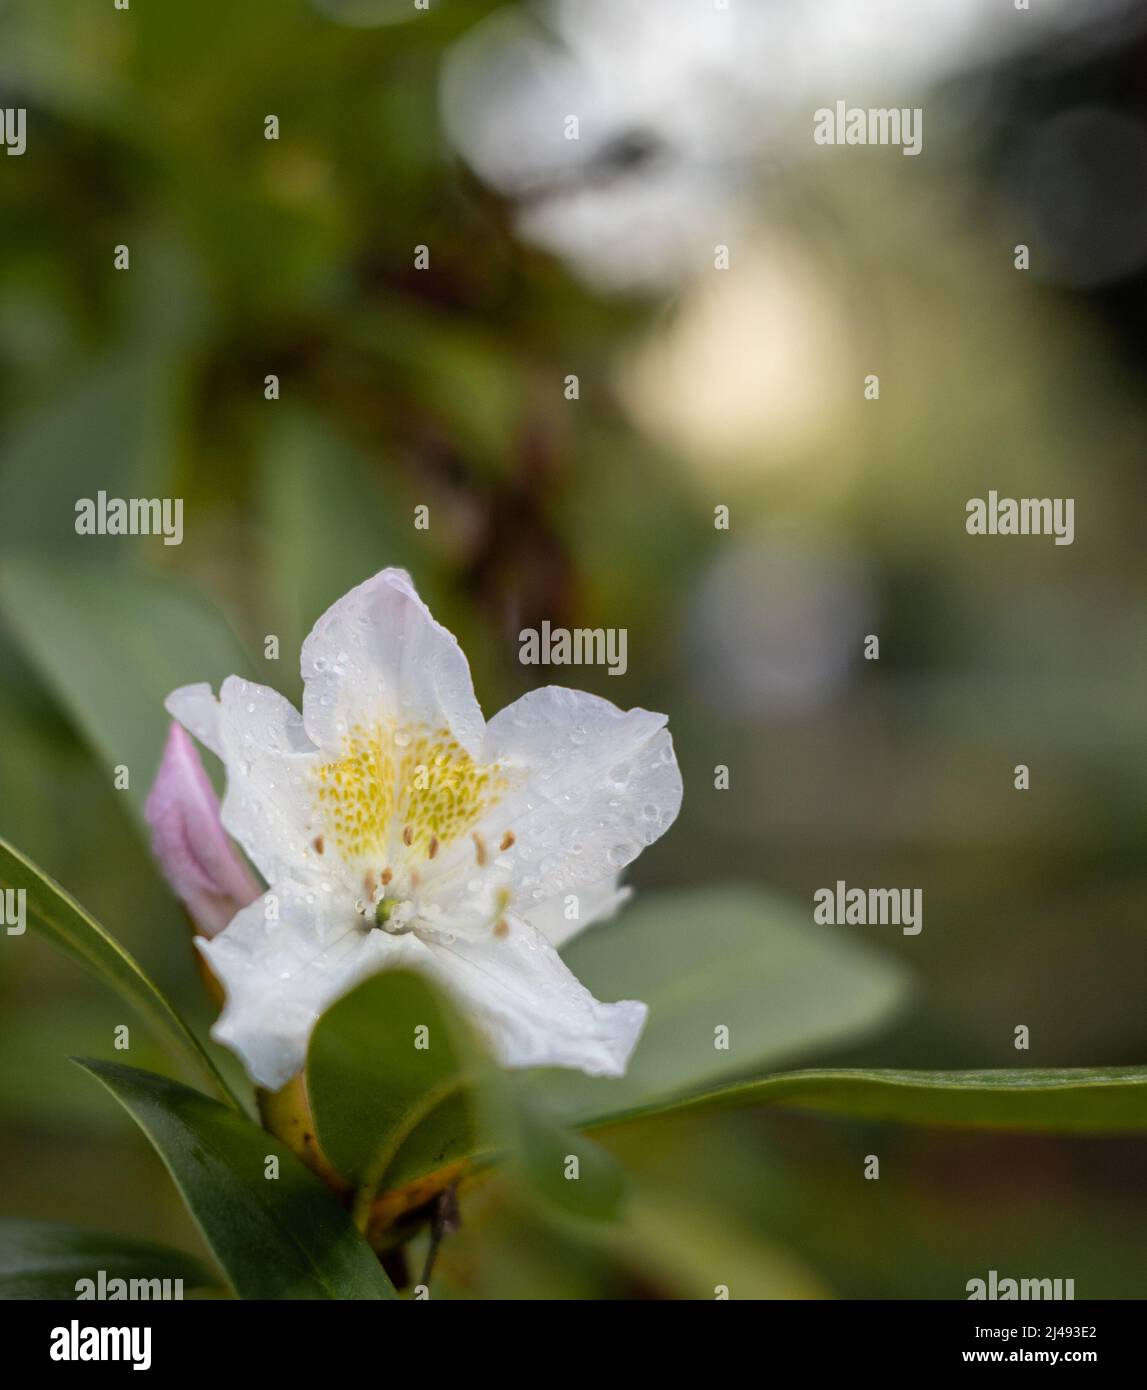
(407, 836)
(432, 848)
(479, 849)
(507, 841)
(318, 844)
(503, 927)
(387, 875)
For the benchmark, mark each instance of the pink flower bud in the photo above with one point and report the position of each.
(187, 837)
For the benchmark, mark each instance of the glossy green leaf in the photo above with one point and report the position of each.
(45, 1259)
(736, 959)
(274, 1237)
(391, 1076)
(112, 645)
(1103, 1100)
(55, 915)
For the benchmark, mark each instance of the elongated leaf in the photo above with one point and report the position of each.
(390, 1074)
(274, 1237)
(1106, 1100)
(55, 915)
(44, 1259)
(112, 645)
(734, 979)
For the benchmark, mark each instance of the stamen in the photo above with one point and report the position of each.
(432, 848)
(503, 928)
(480, 847)
(318, 844)
(369, 884)
(387, 875)
(507, 840)
(408, 837)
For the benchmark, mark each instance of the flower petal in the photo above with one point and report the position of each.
(532, 1010)
(281, 971)
(269, 804)
(597, 903)
(596, 785)
(197, 709)
(378, 657)
(187, 835)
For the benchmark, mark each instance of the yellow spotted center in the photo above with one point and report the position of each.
(401, 791)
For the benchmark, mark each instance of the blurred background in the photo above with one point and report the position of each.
(696, 388)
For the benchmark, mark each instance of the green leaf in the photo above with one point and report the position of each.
(55, 915)
(1103, 1100)
(386, 1109)
(329, 520)
(109, 427)
(284, 1237)
(733, 958)
(112, 645)
(44, 1259)
(543, 1151)
(687, 1246)
(388, 1112)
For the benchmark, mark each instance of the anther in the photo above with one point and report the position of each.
(507, 840)
(432, 848)
(408, 836)
(480, 848)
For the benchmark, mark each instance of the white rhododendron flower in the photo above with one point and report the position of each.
(395, 827)
(682, 105)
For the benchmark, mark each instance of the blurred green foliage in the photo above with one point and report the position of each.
(295, 257)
